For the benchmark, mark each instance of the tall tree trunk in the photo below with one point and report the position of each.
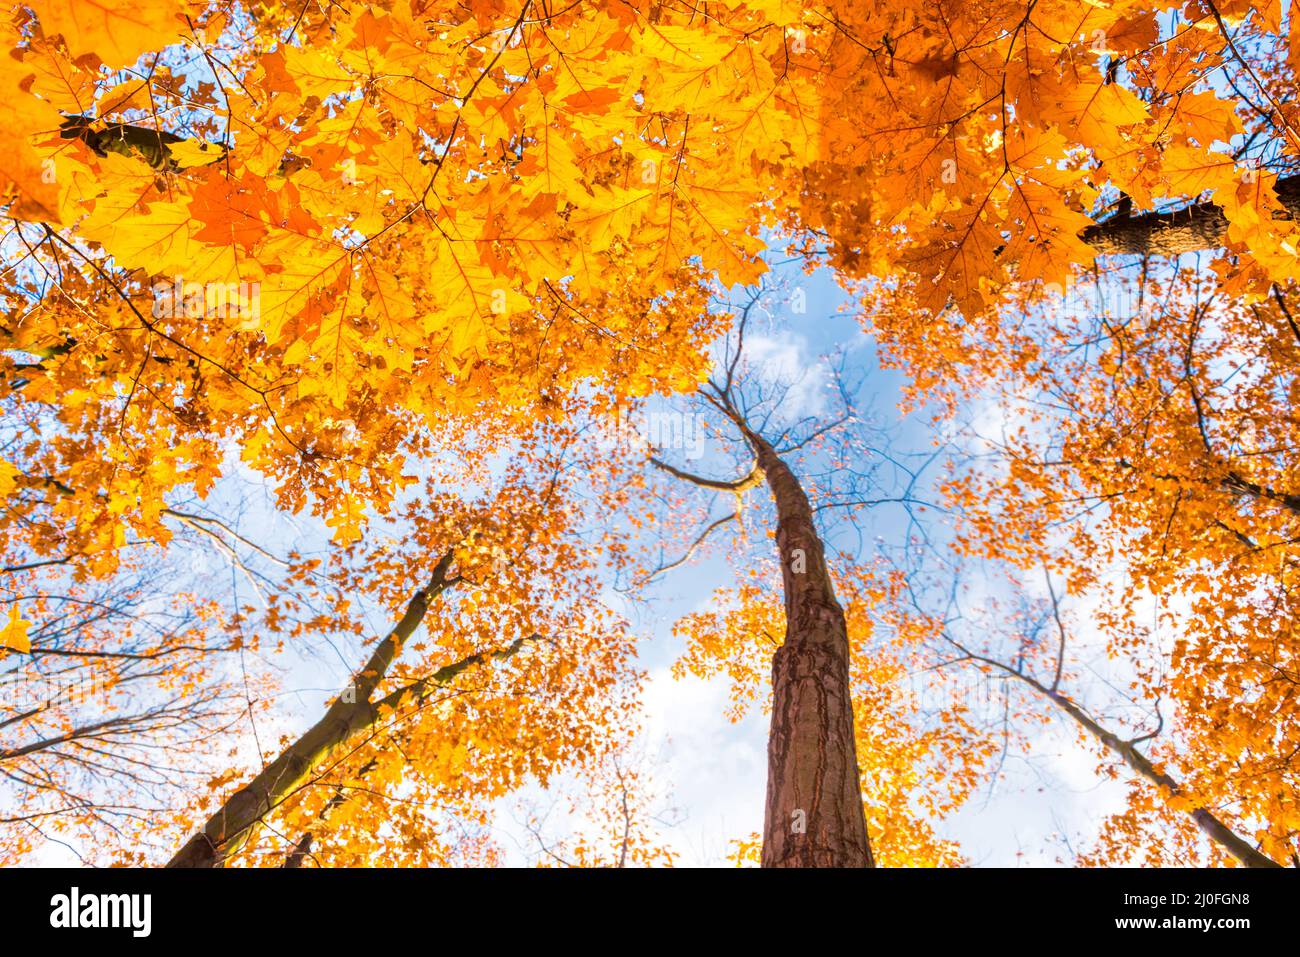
(814, 815)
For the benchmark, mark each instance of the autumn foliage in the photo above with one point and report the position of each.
(339, 296)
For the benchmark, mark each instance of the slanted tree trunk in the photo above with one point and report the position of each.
(229, 828)
(353, 712)
(1128, 752)
(814, 815)
(1212, 827)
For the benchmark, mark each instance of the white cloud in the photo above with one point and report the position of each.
(717, 770)
(783, 361)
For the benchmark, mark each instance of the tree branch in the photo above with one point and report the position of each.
(1199, 226)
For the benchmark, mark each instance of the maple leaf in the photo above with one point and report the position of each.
(14, 634)
(24, 167)
(189, 153)
(117, 31)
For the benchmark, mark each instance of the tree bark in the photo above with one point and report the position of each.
(1202, 226)
(813, 815)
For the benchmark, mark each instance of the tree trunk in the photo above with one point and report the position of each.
(814, 815)
(229, 828)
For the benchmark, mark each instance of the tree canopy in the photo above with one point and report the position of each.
(401, 263)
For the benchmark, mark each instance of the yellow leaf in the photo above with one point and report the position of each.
(117, 31)
(25, 170)
(8, 478)
(14, 634)
(189, 153)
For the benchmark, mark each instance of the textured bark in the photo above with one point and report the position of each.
(814, 815)
(1202, 226)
